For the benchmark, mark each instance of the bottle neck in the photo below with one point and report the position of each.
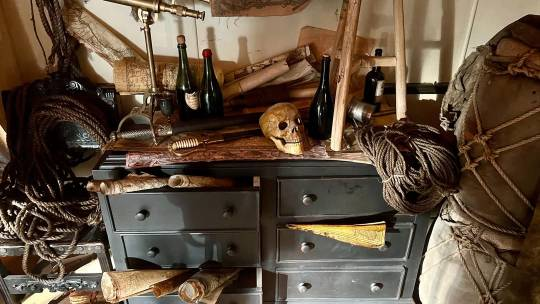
(325, 74)
(182, 54)
(208, 67)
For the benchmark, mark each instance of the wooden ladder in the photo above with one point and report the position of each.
(344, 45)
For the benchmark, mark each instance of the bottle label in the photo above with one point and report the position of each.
(380, 88)
(192, 100)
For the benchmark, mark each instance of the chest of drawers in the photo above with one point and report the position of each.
(246, 228)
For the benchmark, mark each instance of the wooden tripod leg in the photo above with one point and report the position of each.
(401, 73)
(344, 74)
(338, 43)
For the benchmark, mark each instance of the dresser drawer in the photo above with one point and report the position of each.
(294, 246)
(226, 298)
(331, 197)
(175, 211)
(239, 249)
(340, 284)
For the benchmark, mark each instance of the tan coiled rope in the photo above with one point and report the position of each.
(416, 166)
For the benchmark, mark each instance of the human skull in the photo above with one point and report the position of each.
(283, 125)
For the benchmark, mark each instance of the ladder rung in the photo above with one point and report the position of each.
(371, 61)
(383, 61)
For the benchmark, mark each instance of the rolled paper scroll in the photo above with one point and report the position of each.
(256, 8)
(131, 75)
(364, 235)
(128, 184)
(171, 285)
(291, 57)
(188, 181)
(118, 286)
(255, 80)
(96, 35)
(205, 282)
(83, 297)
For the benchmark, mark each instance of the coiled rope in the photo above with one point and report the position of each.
(416, 166)
(42, 201)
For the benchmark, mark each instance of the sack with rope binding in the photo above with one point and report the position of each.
(476, 240)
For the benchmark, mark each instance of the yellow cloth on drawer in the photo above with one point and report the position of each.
(364, 235)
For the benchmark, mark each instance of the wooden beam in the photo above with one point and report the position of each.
(401, 73)
(338, 43)
(344, 74)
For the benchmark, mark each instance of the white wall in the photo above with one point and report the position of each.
(439, 32)
(493, 15)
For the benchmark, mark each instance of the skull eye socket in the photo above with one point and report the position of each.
(282, 125)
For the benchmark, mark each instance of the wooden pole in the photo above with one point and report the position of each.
(401, 73)
(338, 43)
(344, 74)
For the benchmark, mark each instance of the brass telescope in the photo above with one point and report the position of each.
(147, 8)
(158, 6)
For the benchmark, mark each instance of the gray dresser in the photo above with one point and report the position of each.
(246, 227)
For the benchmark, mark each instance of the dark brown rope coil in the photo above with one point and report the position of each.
(417, 166)
(41, 199)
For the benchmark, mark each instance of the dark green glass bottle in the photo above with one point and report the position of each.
(186, 92)
(210, 94)
(374, 84)
(321, 111)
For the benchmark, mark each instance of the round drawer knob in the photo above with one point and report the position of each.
(228, 213)
(231, 250)
(385, 247)
(306, 247)
(141, 215)
(376, 287)
(304, 287)
(309, 199)
(152, 252)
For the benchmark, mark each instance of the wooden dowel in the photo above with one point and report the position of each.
(344, 74)
(401, 73)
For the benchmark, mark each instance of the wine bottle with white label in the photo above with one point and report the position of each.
(186, 92)
(374, 85)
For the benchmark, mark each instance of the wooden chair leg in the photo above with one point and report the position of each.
(338, 44)
(344, 74)
(401, 73)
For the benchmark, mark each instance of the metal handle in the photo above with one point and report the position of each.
(304, 287)
(228, 213)
(376, 287)
(152, 252)
(141, 215)
(306, 247)
(309, 199)
(231, 250)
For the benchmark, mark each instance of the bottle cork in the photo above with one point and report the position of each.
(181, 39)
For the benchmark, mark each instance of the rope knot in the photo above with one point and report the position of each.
(489, 299)
(482, 138)
(464, 149)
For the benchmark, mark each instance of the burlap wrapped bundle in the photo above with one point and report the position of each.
(476, 241)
